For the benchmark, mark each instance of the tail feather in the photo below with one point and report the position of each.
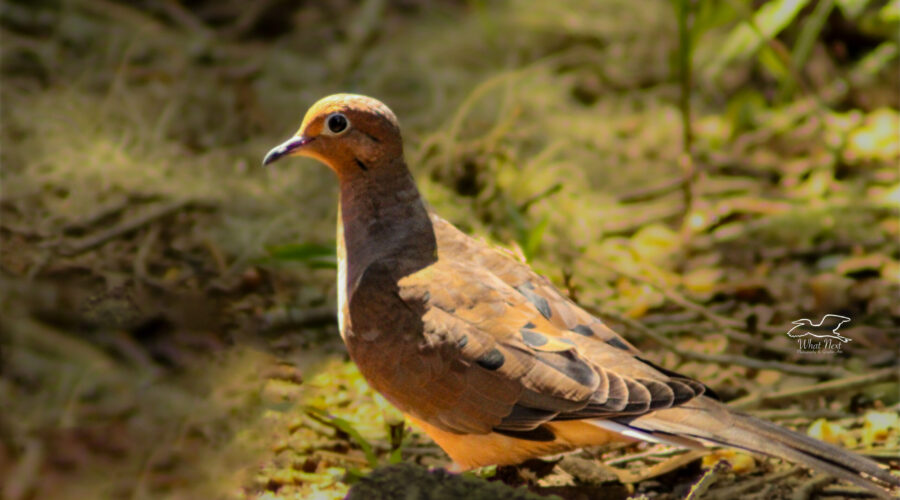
(767, 438)
(821, 450)
(717, 424)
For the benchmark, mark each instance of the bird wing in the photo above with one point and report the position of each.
(544, 296)
(507, 352)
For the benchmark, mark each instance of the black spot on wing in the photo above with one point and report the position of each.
(570, 365)
(537, 434)
(533, 338)
(583, 330)
(361, 164)
(540, 303)
(491, 360)
(618, 344)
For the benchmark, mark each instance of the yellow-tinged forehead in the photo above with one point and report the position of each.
(348, 102)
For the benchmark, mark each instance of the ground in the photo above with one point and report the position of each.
(167, 322)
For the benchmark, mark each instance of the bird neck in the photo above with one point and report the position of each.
(382, 216)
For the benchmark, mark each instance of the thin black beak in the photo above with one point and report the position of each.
(285, 149)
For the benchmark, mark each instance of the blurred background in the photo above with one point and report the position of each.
(698, 173)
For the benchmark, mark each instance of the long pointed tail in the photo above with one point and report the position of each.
(717, 424)
(765, 437)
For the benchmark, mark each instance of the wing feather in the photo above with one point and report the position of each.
(523, 369)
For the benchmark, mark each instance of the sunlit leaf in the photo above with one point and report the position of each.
(852, 8)
(739, 461)
(890, 12)
(876, 139)
(702, 282)
(655, 242)
(877, 426)
(812, 27)
(638, 298)
(868, 69)
(831, 432)
(747, 38)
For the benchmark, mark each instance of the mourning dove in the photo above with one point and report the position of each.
(486, 356)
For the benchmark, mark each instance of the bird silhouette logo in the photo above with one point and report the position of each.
(825, 329)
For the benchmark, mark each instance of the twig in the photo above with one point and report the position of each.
(550, 191)
(55, 345)
(732, 492)
(140, 259)
(123, 14)
(698, 490)
(880, 455)
(844, 492)
(184, 18)
(29, 232)
(126, 227)
(102, 214)
(646, 193)
(798, 414)
(810, 487)
(731, 359)
(631, 220)
(685, 53)
(657, 451)
(830, 387)
(661, 468)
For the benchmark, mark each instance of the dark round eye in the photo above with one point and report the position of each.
(337, 123)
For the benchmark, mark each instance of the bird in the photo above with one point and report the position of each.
(830, 323)
(486, 356)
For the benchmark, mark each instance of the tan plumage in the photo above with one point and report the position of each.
(491, 360)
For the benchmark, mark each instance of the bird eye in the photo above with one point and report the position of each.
(337, 123)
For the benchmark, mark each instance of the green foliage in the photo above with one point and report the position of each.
(347, 428)
(755, 33)
(781, 35)
(314, 255)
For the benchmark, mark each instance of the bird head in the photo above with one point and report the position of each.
(352, 134)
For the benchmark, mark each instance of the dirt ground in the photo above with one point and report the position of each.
(167, 325)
